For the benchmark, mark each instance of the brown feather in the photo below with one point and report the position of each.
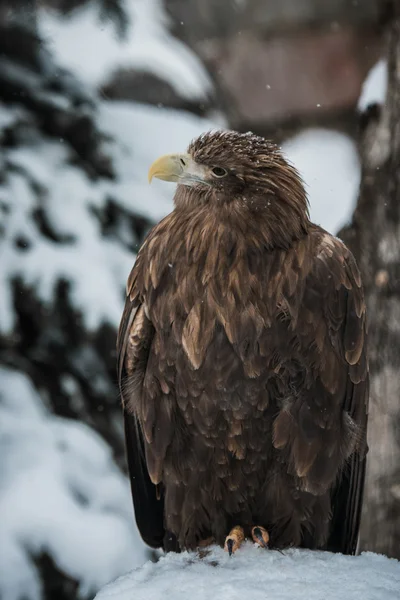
(243, 348)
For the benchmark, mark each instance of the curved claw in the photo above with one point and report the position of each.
(234, 540)
(260, 536)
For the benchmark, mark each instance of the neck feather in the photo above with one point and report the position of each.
(270, 218)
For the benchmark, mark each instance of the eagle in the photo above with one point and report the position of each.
(242, 360)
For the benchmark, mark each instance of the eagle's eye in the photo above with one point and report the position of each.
(219, 172)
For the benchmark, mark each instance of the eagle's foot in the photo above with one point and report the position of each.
(234, 540)
(260, 536)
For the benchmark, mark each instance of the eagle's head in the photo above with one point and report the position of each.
(227, 168)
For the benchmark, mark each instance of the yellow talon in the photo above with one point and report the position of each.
(260, 536)
(234, 540)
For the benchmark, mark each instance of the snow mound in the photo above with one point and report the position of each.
(257, 574)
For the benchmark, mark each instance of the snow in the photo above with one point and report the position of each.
(327, 160)
(375, 86)
(258, 574)
(329, 164)
(144, 133)
(96, 268)
(61, 493)
(93, 51)
(60, 490)
(67, 196)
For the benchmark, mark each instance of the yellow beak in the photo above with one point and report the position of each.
(169, 167)
(178, 167)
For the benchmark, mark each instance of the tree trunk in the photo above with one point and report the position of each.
(374, 237)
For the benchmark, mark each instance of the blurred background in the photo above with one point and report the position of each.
(91, 92)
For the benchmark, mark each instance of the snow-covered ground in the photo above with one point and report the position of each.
(258, 574)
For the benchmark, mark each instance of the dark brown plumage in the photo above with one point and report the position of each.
(242, 359)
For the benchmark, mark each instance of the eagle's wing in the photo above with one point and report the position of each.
(324, 429)
(345, 312)
(134, 341)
